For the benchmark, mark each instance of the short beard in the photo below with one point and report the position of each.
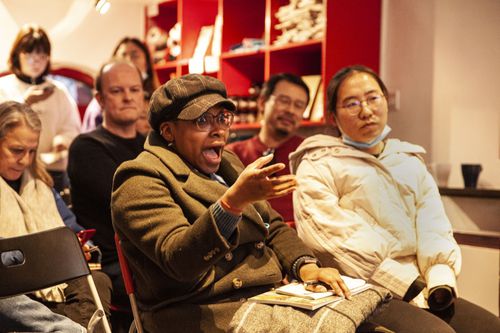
(281, 133)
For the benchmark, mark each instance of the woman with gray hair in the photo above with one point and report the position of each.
(26, 189)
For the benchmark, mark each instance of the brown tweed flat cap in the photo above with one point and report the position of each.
(187, 98)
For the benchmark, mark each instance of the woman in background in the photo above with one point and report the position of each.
(26, 189)
(29, 62)
(137, 52)
(367, 204)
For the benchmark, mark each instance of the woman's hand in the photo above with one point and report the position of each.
(86, 252)
(255, 183)
(37, 94)
(316, 278)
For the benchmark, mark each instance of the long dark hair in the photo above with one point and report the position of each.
(151, 82)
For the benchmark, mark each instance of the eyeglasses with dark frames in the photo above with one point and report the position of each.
(208, 121)
(354, 106)
(286, 101)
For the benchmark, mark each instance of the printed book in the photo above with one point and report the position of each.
(295, 294)
(272, 297)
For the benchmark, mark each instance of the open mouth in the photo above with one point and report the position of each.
(213, 154)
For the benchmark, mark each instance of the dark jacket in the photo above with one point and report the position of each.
(189, 278)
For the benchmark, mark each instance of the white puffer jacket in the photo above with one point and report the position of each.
(378, 218)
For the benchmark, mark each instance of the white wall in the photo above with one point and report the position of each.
(478, 281)
(443, 56)
(79, 35)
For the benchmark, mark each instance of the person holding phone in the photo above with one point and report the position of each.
(26, 189)
(29, 62)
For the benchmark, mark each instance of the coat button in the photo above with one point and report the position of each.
(228, 256)
(237, 283)
(259, 245)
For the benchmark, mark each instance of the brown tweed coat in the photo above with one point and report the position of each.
(188, 277)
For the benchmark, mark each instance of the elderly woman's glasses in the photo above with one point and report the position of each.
(208, 121)
(355, 106)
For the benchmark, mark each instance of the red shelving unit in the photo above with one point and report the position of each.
(351, 36)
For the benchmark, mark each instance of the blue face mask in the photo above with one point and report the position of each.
(365, 145)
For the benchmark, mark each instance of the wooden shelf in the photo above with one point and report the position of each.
(243, 54)
(469, 192)
(478, 238)
(248, 126)
(307, 46)
(254, 126)
(345, 41)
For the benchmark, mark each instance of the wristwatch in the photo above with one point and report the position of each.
(301, 261)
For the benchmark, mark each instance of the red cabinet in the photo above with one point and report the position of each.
(351, 36)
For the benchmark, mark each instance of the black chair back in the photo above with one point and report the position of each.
(49, 258)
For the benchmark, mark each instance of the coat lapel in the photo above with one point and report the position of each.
(197, 185)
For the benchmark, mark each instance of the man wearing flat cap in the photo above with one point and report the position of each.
(195, 227)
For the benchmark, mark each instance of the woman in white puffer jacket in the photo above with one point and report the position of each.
(368, 205)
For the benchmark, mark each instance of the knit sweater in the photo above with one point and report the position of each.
(58, 113)
(93, 159)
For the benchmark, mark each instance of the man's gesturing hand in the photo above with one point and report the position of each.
(256, 183)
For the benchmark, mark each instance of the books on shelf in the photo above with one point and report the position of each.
(296, 295)
(314, 83)
(213, 53)
(196, 63)
(317, 110)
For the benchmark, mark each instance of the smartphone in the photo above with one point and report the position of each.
(48, 89)
(85, 235)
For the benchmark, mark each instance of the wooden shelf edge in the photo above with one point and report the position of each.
(252, 126)
(478, 238)
(314, 43)
(292, 46)
(308, 123)
(469, 192)
(245, 54)
(241, 127)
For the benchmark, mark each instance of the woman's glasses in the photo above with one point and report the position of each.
(33, 57)
(355, 106)
(208, 121)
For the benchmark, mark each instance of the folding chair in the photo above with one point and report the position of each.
(49, 258)
(136, 325)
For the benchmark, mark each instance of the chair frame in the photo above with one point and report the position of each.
(37, 271)
(129, 287)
